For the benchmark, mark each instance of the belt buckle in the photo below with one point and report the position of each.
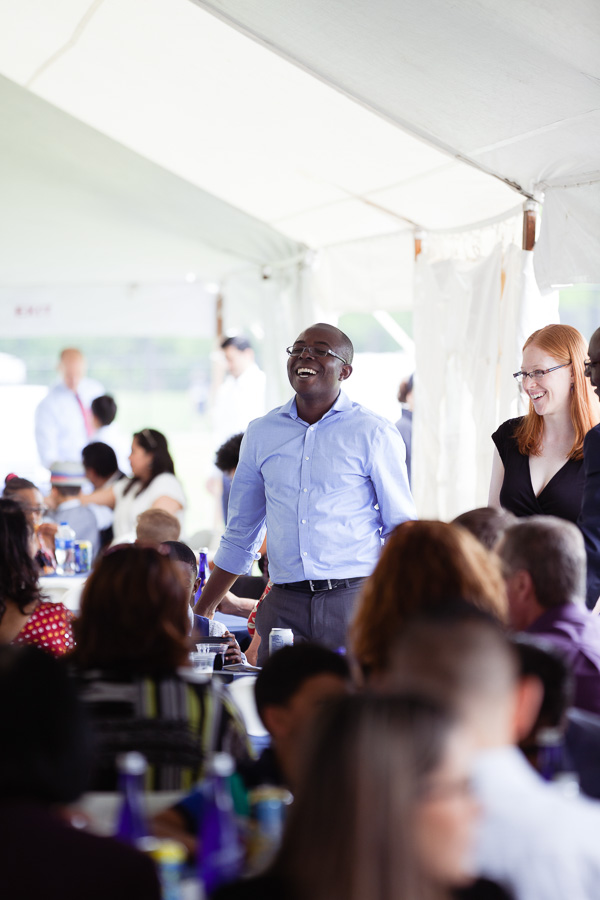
(329, 585)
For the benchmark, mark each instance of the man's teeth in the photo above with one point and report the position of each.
(306, 372)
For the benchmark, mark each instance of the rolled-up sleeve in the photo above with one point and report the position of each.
(387, 470)
(246, 514)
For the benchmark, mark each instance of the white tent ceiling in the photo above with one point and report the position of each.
(513, 88)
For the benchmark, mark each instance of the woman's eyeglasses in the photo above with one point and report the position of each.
(537, 374)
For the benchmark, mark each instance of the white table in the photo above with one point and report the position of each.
(63, 589)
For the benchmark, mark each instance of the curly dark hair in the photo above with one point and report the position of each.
(18, 571)
(134, 613)
(155, 443)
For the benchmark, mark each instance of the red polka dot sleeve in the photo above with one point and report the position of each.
(49, 627)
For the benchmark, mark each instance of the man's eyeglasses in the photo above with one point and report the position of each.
(537, 374)
(588, 365)
(313, 351)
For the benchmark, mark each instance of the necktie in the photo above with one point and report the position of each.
(86, 416)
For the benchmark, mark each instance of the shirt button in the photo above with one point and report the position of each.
(307, 457)
(304, 521)
(305, 489)
(305, 553)
(310, 428)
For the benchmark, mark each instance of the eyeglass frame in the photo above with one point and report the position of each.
(39, 510)
(588, 365)
(317, 351)
(537, 373)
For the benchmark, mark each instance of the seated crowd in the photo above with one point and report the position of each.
(420, 761)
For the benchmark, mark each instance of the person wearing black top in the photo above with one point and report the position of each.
(538, 464)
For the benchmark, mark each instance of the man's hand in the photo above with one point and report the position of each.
(233, 654)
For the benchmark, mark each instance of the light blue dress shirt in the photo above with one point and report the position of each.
(328, 494)
(60, 431)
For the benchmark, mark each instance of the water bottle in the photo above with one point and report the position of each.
(220, 852)
(64, 550)
(131, 823)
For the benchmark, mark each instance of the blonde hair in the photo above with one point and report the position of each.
(154, 526)
(566, 345)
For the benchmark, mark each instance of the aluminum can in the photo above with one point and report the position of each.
(280, 637)
(83, 557)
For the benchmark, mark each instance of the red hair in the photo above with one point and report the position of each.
(566, 345)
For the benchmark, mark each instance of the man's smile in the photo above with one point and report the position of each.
(305, 372)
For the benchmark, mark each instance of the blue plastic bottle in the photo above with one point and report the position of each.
(64, 550)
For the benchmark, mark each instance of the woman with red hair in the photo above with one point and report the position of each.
(538, 463)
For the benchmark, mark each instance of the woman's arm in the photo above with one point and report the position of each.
(168, 504)
(102, 497)
(496, 481)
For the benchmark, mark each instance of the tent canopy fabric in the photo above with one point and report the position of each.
(441, 115)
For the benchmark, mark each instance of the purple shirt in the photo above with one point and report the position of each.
(575, 632)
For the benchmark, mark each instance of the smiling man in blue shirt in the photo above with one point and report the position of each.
(327, 479)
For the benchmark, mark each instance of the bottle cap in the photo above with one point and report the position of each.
(132, 763)
(221, 764)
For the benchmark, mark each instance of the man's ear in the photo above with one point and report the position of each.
(345, 372)
(276, 720)
(529, 697)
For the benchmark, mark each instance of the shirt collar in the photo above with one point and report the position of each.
(342, 403)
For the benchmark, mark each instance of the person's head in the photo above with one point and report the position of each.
(99, 462)
(28, 496)
(463, 657)
(104, 410)
(67, 478)
(238, 354)
(561, 348)
(149, 457)
(422, 566)
(386, 791)
(18, 571)
(592, 370)
(289, 690)
(486, 523)
(540, 659)
(320, 359)
(154, 526)
(405, 391)
(72, 367)
(45, 746)
(134, 613)
(184, 560)
(228, 454)
(543, 563)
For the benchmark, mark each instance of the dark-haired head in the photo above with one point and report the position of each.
(155, 444)
(45, 746)
(133, 613)
(284, 673)
(101, 458)
(228, 454)
(28, 496)
(18, 571)
(104, 409)
(238, 341)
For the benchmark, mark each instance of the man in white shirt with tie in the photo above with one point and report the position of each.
(63, 424)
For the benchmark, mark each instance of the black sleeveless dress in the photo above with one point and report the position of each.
(562, 495)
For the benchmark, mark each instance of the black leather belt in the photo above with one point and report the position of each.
(313, 587)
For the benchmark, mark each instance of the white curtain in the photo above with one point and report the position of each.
(476, 301)
(271, 306)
